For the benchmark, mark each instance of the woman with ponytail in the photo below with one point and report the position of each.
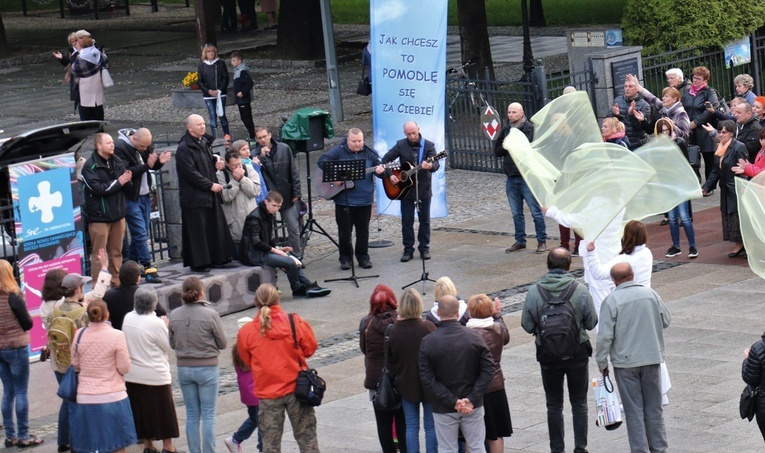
(267, 345)
(196, 334)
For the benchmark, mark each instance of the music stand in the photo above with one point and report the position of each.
(424, 277)
(346, 170)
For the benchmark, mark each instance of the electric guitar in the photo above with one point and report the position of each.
(329, 190)
(405, 176)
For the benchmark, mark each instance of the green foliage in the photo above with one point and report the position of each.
(506, 12)
(662, 25)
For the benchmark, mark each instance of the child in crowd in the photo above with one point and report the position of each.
(246, 388)
(242, 87)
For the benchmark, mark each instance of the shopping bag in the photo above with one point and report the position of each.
(219, 105)
(608, 411)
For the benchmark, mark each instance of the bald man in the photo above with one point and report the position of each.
(415, 150)
(515, 187)
(206, 238)
(631, 331)
(134, 147)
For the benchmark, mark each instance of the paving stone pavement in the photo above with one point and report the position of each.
(717, 308)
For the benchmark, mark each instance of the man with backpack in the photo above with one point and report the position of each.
(63, 321)
(558, 312)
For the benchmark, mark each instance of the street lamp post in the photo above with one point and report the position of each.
(528, 57)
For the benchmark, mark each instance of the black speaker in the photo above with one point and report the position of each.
(315, 135)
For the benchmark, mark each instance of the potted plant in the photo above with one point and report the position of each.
(191, 81)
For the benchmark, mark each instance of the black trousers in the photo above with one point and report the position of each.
(245, 112)
(347, 218)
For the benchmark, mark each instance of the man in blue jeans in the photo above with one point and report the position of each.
(134, 147)
(516, 187)
(557, 283)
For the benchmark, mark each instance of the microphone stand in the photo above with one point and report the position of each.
(424, 277)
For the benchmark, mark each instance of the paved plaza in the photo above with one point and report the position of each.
(716, 302)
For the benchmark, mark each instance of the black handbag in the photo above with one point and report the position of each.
(309, 386)
(67, 390)
(365, 84)
(747, 405)
(694, 156)
(386, 397)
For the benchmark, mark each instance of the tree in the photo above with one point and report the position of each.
(299, 36)
(474, 36)
(207, 14)
(537, 16)
(3, 38)
(689, 23)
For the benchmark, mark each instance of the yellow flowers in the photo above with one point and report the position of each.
(191, 78)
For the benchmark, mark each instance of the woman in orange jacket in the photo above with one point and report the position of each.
(275, 358)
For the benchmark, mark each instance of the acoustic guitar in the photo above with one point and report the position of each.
(406, 178)
(329, 190)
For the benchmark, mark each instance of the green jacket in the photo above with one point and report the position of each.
(556, 281)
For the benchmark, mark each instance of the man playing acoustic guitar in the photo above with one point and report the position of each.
(416, 151)
(353, 207)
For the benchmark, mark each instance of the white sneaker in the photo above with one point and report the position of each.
(232, 446)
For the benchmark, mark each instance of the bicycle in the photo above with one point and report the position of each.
(467, 87)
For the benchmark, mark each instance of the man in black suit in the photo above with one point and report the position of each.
(415, 150)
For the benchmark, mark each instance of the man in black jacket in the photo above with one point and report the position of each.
(258, 248)
(516, 188)
(280, 170)
(747, 128)
(455, 369)
(415, 150)
(120, 301)
(624, 107)
(134, 147)
(105, 180)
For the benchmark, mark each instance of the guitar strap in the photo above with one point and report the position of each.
(422, 149)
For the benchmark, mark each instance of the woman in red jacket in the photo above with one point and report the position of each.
(268, 346)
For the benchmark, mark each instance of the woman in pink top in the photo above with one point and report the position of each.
(101, 420)
(746, 168)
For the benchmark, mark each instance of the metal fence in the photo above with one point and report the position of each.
(469, 146)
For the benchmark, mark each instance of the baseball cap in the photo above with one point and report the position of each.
(72, 281)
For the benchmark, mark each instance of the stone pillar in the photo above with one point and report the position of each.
(610, 62)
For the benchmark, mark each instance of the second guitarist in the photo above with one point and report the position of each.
(354, 203)
(415, 150)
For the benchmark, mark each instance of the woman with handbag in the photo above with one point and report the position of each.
(15, 323)
(486, 318)
(405, 337)
(382, 313)
(197, 335)
(695, 101)
(751, 372)
(276, 353)
(101, 420)
(86, 69)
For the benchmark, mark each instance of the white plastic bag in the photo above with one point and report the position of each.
(219, 106)
(106, 78)
(608, 410)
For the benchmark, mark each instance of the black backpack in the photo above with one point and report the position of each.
(557, 328)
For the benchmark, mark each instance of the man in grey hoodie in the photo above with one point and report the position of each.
(558, 280)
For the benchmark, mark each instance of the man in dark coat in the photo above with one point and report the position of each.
(415, 150)
(134, 147)
(105, 180)
(747, 128)
(120, 301)
(258, 248)
(456, 367)
(280, 170)
(206, 238)
(623, 109)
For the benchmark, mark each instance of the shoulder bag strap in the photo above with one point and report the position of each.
(79, 337)
(387, 346)
(294, 339)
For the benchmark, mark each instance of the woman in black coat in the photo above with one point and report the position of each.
(695, 101)
(752, 373)
(213, 80)
(729, 151)
(382, 313)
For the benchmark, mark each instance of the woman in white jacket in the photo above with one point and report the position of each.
(634, 252)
